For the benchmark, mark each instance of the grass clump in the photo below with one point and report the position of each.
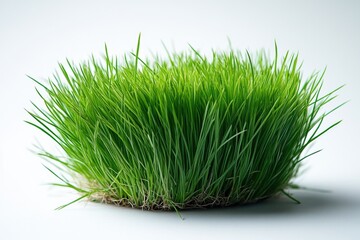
(182, 132)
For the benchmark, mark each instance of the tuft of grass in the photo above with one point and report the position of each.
(186, 131)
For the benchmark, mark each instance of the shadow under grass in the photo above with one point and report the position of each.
(313, 203)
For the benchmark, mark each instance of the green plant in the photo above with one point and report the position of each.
(185, 132)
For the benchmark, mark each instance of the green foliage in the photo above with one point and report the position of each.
(182, 132)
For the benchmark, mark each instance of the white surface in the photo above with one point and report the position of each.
(35, 35)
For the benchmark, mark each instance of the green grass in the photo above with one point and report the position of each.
(182, 132)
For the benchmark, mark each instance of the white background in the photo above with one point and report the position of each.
(35, 35)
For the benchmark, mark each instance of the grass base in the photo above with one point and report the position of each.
(162, 206)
